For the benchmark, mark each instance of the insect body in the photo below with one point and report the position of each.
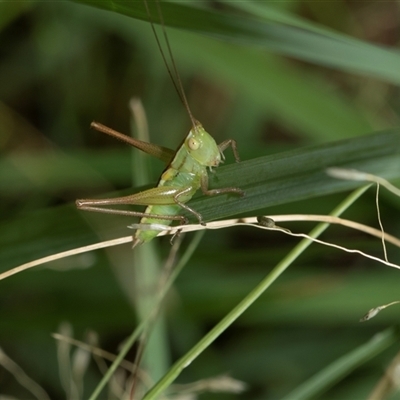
(185, 174)
(186, 170)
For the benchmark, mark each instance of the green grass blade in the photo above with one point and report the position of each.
(340, 52)
(236, 312)
(267, 181)
(145, 322)
(343, 366)
(299, 174)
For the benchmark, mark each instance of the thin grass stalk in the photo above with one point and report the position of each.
(145, 323)
(236, 312)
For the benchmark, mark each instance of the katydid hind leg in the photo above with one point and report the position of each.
(161, 195)
(183, 220)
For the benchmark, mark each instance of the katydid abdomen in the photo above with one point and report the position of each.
(172, 188)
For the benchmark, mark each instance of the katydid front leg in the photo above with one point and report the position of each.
(225, 144)
(213, 192)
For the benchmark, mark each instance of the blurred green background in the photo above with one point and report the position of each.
(64, 64)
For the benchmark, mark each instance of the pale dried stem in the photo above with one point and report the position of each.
(251, 221)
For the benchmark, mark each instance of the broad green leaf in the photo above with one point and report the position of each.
(267, 181)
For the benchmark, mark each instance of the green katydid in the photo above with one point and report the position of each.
(186, 172)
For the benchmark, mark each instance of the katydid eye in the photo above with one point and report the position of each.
(193, 144)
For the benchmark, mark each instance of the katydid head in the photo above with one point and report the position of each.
(202, 147)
